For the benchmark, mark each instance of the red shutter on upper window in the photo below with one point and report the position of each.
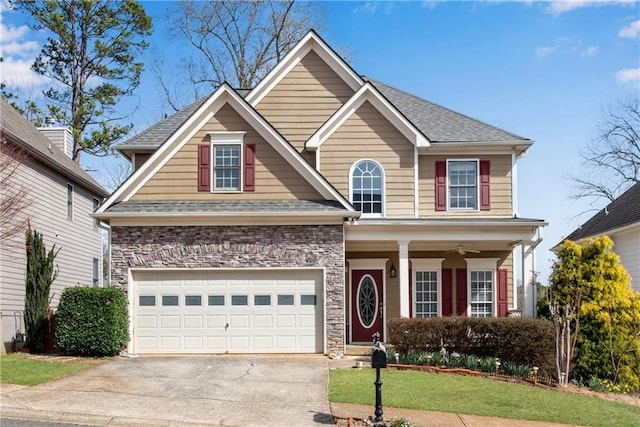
(441, 186)
(503, 303)
(447, 292)
(461, 291)
(249, 168)
(485, 173)
(204, 167)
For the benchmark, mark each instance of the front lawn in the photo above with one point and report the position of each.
(478, 396)
(20, 369)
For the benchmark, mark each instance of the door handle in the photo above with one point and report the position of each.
(226, 326)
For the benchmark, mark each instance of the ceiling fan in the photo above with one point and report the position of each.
(461, 250)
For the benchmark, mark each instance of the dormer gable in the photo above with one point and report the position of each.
(311, 42)
(223, 97)
(368, 93)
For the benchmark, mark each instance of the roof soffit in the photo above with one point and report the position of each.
(367, 93)
(311, 41)
(222, 96)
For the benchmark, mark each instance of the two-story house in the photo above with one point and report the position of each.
(301, 215)
(56, 197)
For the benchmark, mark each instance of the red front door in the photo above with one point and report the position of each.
(366, 304)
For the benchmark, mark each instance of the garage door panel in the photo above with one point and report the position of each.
(193, 322)
(216, 312)
(170, 322)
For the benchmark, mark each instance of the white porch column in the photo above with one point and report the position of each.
(528, 281)
(403, 271)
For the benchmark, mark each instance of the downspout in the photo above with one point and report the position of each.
(416, 207)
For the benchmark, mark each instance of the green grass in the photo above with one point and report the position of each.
(478, 396)
(18, 369)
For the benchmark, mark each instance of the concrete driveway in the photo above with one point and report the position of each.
(207, 390)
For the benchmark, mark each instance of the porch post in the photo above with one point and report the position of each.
(403, 271)
(528, 281)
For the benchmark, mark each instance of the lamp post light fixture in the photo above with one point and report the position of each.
(392, 271)
(562, 380)
(497, 367)
(535, 375)
(397, 356)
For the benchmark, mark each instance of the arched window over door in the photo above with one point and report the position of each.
(367, 187)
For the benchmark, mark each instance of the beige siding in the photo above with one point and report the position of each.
(627, 246)
(275, 178)
(500, 186)
(78, 240)
(368, 134)
(304, 99)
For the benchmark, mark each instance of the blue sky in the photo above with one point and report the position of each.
(542, 70)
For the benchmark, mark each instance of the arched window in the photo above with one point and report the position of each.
(367, 187)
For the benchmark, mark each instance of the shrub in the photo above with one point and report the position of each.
(521, 340)
(92, 321)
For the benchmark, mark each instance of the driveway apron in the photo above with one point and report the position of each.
(211, 390)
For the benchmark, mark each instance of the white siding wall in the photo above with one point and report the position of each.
(627, 246)
(77, 238)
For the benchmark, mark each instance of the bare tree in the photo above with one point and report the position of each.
(611, 162)
(14, 196)
(239, 41)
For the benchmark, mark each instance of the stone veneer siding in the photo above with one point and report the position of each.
(237, 247)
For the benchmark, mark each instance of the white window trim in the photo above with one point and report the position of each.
(95, 206)
(384, 188)
(483, 264)
(426, 264)
(70, 201)
(477, 209)
(226, 138)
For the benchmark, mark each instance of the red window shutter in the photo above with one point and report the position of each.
(485, 173)
(441, 186)
(249, 169)
(503, 303)
(461, 291)
(447, 292)
(204, 167)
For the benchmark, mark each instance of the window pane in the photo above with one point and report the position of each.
(170, 300)
(69, 201)
(216, 299)
(308, 300)
(147, 300)
(426, 293)
(239, 300)
(463, 184)
(262, 300)
(285, 299)
(193, 300)
(367, 188)
(482, 293)
(226, 167)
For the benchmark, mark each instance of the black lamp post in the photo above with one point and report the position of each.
(378, 361)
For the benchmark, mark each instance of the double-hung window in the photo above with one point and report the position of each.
(427, 287)
(367, 188)
(482, 286)
(227, 161)
(463, 184)
(226, 164)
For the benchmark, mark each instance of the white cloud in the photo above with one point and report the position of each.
(559, 7)
(429, 4)
(370, 7)
(590, 51)
(18, 53)
(628, 75)
(631, 31)
(543, 51)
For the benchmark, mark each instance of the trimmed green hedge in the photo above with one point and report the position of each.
(521, 340)
(92, 321)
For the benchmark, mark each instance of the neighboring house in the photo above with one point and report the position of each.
(303, 214)
(620, 220)
(59, 197)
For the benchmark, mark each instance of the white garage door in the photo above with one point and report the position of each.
(264, 311)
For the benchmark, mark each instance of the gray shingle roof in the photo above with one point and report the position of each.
(23, 132)
(441, 124)
(226, 206)
(623, 211)
(438, 124)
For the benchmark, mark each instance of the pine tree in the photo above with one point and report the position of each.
(41, 273)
